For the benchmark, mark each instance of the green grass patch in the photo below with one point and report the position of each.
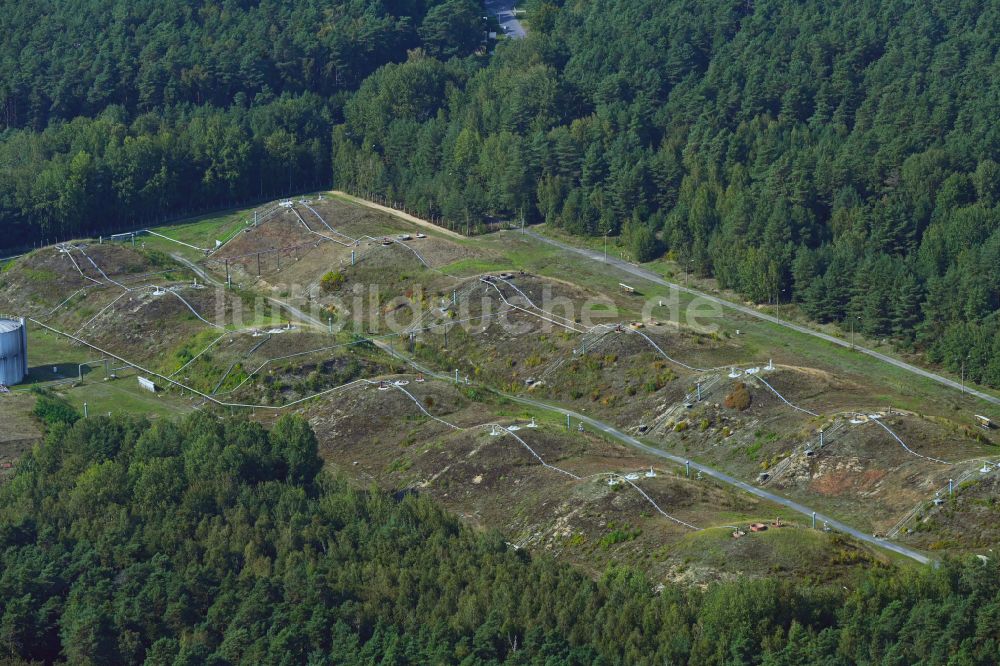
(124, 395)
(188, 349)
(200, 231)
(205, 230)
(619, 534)
(814, 553)
(38, 275)
(400, 465)
(471, 266)
(47, 350)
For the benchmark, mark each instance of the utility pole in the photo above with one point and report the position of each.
(967, 357)
(605, 247)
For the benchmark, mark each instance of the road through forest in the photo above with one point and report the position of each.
(504, 11)
(650, 276)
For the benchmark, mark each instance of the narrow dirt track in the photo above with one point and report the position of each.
(400, 214)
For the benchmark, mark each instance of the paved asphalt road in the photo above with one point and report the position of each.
(632, 269)
(504, 11)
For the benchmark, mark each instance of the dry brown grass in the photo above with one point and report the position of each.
(738, 398)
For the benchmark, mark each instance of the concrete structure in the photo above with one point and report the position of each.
(13, 351)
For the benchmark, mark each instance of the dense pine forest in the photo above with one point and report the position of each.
(841, 155)
(218, 542)
(115, 113)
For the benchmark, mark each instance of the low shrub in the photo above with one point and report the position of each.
(332, 281)
(738, 398)
(51, 410)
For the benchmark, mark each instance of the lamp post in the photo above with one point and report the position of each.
(605, 247)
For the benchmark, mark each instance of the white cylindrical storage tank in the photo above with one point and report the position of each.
(13, 351)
